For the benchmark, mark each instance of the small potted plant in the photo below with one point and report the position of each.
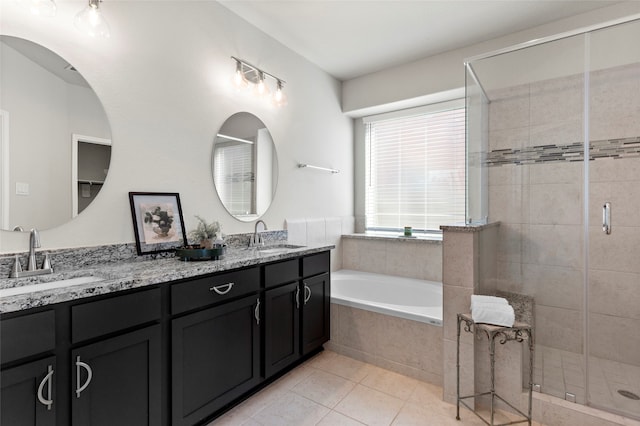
(205, 233)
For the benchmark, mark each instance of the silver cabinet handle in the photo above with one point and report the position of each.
(80, 388)
(306, 297)
(256, 312)
(48, 379)
(606, 218)
(297, 297)
(221, 290)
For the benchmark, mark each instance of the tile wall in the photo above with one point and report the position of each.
(536, 191)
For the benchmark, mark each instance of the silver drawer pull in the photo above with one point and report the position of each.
(606, 218)
(79, 388)
(256, 312)
(306, 298)
(47, 379)
(222, 288)
(297, 297)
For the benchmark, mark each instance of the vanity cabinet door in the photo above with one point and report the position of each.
(117, 381)
(315, 297)
(215, 358)
(282, 332)
(27, 395)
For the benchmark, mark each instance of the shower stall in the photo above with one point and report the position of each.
(554, 155)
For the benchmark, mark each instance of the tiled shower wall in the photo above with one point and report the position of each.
(536, 192)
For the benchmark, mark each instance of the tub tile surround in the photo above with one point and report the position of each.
(397, 256)
(408, 347)
(536, 191)
(323, 230)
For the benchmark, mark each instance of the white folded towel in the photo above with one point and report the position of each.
(479, 299)
(494, 313)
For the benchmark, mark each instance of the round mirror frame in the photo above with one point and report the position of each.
(94, 140)
(244, 166)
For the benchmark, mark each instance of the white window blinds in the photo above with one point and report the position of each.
(234, 176)
(415, 167)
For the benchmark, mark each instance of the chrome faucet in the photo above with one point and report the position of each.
(34, 243)
(256, 240)
(32, 267)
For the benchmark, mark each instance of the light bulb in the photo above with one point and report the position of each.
(279, 98)
(238, 81)
(91, 22)
(40, 7)
(262, 89)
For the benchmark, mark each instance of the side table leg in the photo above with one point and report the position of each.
(531, 363)
(458, 372)
(492, 360)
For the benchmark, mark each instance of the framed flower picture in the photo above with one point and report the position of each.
(157, 221)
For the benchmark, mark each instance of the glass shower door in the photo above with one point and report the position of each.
(613, 298)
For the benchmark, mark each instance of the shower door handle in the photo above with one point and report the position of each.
(606, 218)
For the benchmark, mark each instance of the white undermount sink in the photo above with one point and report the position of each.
(278, 249)
(14, 291)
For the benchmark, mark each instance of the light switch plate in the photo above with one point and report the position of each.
(22, 188)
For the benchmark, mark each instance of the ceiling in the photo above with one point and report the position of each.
(350, 38)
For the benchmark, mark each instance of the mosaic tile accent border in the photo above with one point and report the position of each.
(607, 148)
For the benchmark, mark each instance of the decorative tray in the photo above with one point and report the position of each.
(198, 253)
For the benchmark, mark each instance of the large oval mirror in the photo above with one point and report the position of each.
(55, 139)
(245, 166)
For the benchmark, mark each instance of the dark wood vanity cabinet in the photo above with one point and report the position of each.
(296, 313)
(316, 302)
(27, 394)
(117, 381)
(215, 358)
(282, 327)
(316, 307)
(170, 354)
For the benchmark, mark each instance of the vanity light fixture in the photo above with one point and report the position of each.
(40, 7)
(91, 22)
(247, 75)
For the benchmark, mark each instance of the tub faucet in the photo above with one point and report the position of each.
(34, 243)
(256, 240)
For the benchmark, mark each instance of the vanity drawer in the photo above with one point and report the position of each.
(116, 313)
(316, 264)
(27, 335)
(281, 273)
(201, 292)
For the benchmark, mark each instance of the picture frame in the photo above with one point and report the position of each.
(157, 221)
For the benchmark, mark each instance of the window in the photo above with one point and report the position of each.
(415, 166)
(234, 176)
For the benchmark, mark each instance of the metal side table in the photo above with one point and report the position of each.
(519, 332)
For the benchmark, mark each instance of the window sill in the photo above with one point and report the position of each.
(391, 237)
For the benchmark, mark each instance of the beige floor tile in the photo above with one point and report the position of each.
(291, 409)
(324, 388)
(342, 366)
(336, 419)
(391, 383)
(425, 393)
(259, 401)
(295, 376)
(370, 406)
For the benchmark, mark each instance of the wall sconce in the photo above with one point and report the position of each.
(91, 22)
(247, 75)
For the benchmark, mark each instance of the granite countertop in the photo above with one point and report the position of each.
(135, 274)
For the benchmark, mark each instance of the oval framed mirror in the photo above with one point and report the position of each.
(244, 165)
(55, 138)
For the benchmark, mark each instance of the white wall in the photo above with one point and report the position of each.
(163, 78)
(442, 77)
(408, 84)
